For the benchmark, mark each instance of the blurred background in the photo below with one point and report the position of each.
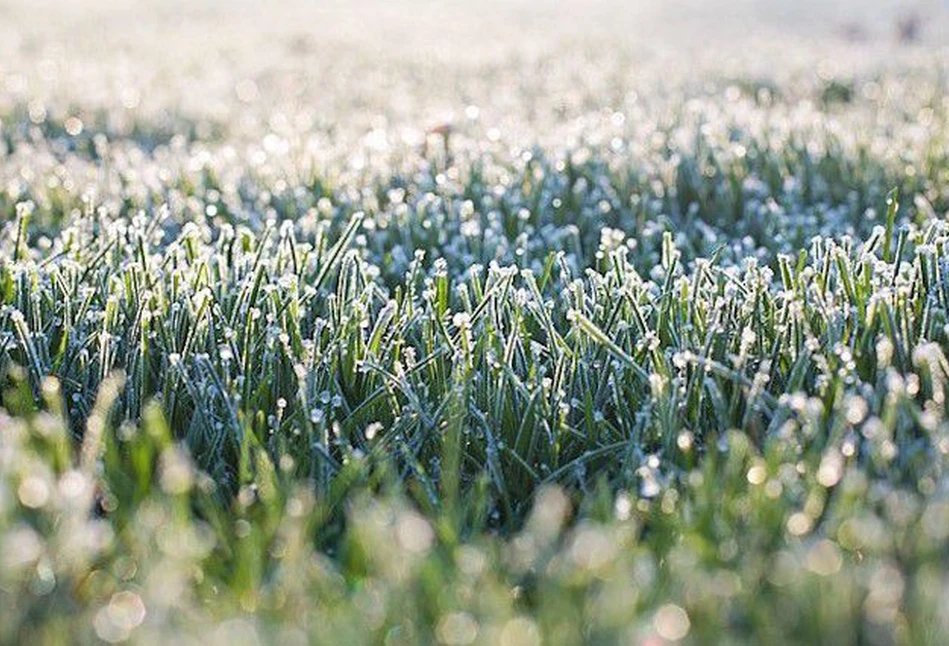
(456, 27)
(56, 39)
(357, 65)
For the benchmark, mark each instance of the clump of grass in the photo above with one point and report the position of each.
(528, 376)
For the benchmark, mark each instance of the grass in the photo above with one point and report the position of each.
(673, 371)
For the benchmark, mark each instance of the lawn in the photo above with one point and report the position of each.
(505, 324)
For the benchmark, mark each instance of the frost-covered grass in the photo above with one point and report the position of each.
(571, 343)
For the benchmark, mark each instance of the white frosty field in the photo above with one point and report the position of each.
(497, 323)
